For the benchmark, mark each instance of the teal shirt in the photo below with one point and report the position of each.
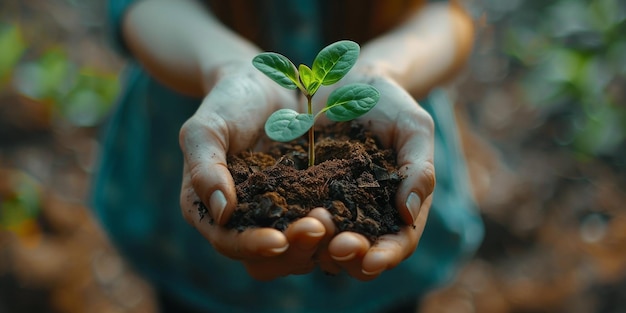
(136, 199)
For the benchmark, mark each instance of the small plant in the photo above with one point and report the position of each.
(330, 65)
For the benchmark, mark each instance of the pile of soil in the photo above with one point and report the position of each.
(353, 177)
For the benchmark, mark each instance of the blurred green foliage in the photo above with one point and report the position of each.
(40, 80)
(12, 47)
(20, 202)
(572, 56)
(79, 95)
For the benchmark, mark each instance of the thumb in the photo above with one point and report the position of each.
(204, 148)
(415, 159)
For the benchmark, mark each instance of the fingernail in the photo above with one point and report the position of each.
(344, 258)
(373, 273)
(316, 234)
(217, 203)
(281, 249)
(276, 251)
(413, 203)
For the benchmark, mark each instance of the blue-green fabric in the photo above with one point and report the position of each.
(136, 199)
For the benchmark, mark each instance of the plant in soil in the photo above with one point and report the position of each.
(330, 65)
(346, 171)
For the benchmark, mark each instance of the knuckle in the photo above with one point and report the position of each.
(417, 121)
(428, 179)
(206, 129)
(196, 176)
(185, 132)
(423, 120)
(427, 121)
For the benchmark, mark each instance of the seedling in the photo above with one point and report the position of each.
(330, 65)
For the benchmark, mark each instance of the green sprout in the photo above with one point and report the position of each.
(329, 66)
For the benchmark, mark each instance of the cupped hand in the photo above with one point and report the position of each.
(400, 123)
(230, 119)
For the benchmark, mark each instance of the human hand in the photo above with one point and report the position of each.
(229, 120)
(400, 123)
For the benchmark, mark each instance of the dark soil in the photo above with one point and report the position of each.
(353, 178)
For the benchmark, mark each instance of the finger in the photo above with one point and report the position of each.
(323, 257)
(347, 250)
(389, 250)
(251, 244)
(415, 160)
(204, 148)
(347, 246)
(322, 215)
(305, 234)
(189, 200)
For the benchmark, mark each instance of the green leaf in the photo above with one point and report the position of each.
(351, 101)
(13, 47)
(335, 61)
(308, 80)
(306, 75)
(278, 68)
(286, 125)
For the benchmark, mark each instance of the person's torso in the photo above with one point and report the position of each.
(300, 28)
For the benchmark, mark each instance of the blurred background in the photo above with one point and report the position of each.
(542, 110)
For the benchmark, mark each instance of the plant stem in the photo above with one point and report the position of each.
(311, 134)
